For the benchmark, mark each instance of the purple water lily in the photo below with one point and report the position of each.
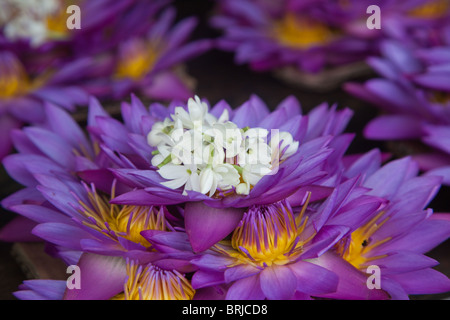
(314, 241)
(415, 21)
(111, 278)
(40, 59)
(149, 62)
(122, 47)
(54, 26)
(396, 237)
(413, 94)
(307, 35)
(23, 93)
(273, 252)
(218, 177)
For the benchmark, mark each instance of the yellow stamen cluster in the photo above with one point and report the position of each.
(431, 9)
(57, 22)
(138, 62)
(268, 235)
(125, 221)
(301, 33)
(14, 80)
(357, 247)
(152, 283)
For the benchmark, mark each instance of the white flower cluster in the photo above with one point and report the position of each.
(27, 19)
(206, 154)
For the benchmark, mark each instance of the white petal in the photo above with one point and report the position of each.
(174, 184)
(206, 180)
(229, 175)
(172, 171)
(243, 188)
(224, 117)
(193, 183)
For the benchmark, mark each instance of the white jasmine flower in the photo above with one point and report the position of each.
(230, 137)
(243, 188)
(194, 117)
(23, 27)
(209, 181)
(230, 177)
(160, 155)
(27, 19)
(252, 173)
(199, 152)
(283, 143)
(180, 175)
(257, 152)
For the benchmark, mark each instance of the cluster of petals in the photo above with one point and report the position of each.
(120, 47)
(312, 36)
(412, 92)
(311, 231)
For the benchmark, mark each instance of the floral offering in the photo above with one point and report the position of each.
(140, 162)
(203, 229)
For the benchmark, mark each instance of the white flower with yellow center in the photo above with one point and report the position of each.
(200, 152)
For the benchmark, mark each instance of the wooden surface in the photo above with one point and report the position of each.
(217, 78)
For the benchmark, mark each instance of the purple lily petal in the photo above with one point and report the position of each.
(443, 172)
(401, 57)
(210, 293)
(392, 93)
(52, 145)
(394, 127)
(170, 241)
(41, 290)
(352, 282)
(246, 289)
(403, 262)
(66, 97)
(141, 197)
(102, 277)
(239, 272)
(27, 195)
(425, 281)
(27, 109)
(132, 114)
(435, 81)
(56, 233)
(17, 165)
(22, 144)
(166, 85)
(424, 237)
(7, 125)
(324, 240)
(206, 226)
(40, 214)
(19, 230)
(66, 127)
(180, 33)
(278, 282)
(250, 113)
(211, 262)
(317, 193)
(202, 279)
(388, 180)
(314, 279)
(438, 137)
